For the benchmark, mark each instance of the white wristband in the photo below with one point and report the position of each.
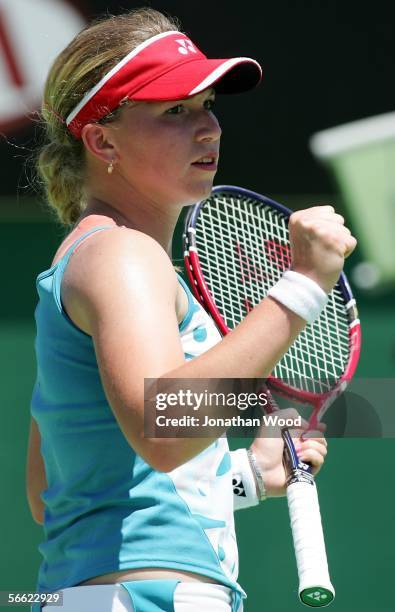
(300, 294)
(243, 481)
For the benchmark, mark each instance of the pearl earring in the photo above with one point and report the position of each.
(110, 168)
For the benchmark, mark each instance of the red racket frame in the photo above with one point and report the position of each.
(319, 401)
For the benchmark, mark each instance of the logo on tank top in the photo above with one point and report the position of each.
(238, 486)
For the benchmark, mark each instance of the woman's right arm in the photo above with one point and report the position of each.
(125, 288)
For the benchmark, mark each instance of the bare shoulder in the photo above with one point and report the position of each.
(119, 246)
(110, 263)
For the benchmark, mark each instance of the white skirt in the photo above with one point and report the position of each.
(188, 597)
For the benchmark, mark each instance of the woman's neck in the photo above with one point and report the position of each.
(155, 223)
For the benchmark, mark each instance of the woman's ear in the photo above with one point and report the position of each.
(98, 142)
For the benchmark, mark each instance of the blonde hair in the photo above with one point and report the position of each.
(78, 68)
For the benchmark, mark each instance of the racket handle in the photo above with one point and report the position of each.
(315, 588)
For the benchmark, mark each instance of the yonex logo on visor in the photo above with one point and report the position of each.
(167, 66)
(185, 46)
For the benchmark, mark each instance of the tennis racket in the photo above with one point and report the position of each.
(236, 247)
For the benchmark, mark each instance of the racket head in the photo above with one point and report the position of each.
(236, 243)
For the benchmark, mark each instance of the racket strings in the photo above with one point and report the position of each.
(243, 251)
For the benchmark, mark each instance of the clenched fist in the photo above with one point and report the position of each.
(319, 244)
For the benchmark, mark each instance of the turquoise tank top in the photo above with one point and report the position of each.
(106, 509)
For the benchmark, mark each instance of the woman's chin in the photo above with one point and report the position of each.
(201, 191)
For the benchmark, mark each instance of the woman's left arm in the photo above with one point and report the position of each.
(36, 481)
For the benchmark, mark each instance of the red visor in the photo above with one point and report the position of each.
(167, 66)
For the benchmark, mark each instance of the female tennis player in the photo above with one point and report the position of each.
(133, 523)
